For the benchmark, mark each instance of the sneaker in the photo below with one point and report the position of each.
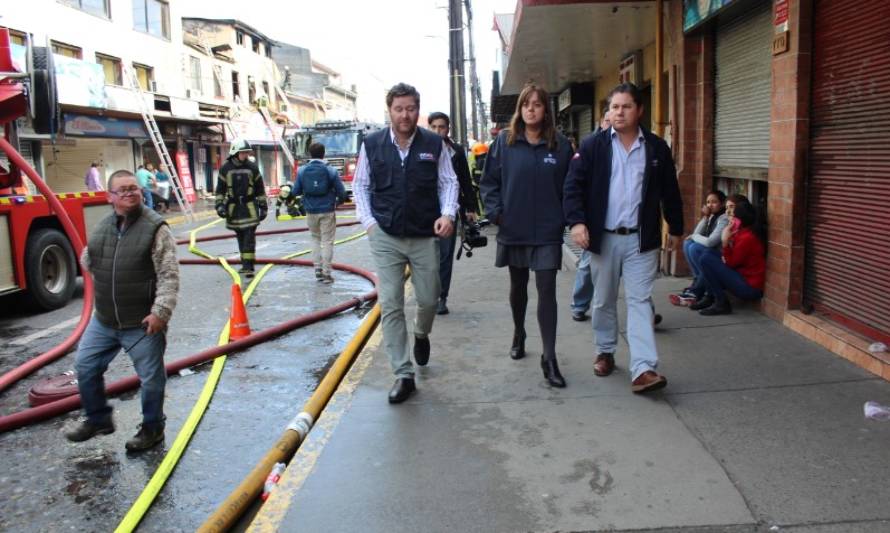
(688, 293)
(146, 437)
(86, 430)
(327, 279)
(319, 274)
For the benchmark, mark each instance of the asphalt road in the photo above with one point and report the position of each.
(50, 484)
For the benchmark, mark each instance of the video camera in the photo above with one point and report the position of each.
(471, 235)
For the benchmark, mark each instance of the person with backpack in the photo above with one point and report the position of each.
(322, 190)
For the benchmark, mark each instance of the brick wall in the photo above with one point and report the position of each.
(789, 141)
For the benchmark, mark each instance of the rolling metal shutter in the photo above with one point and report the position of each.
(848, 244)
(66, 164)
(585, 123)
(743, 94)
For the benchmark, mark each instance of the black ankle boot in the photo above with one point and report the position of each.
(517, 350)
(551, 372)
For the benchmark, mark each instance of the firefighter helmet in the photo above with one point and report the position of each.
(239, 145)
(480, 148)
(284, 192)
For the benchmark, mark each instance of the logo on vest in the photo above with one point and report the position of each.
(426, 156)
(550, 160)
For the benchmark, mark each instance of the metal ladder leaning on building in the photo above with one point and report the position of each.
(158, 141)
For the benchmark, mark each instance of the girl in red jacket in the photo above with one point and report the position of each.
(742, 270)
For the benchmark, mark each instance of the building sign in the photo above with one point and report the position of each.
(95, 126)
(780, 21)
(252, 127)
(629, 69)
(697, 11)
(185, 175)
(80, 83)
(565, 99)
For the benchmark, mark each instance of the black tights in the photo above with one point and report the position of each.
(546, 283)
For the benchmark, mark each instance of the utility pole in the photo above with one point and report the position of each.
(479, 124)
(456, 65)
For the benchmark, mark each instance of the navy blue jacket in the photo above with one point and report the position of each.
(586, 196)
(317, 169)
(522, 186)
(405, 195)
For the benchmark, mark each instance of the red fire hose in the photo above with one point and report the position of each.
(70, 399)
(7, 379)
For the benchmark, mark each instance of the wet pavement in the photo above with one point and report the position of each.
(49, 484)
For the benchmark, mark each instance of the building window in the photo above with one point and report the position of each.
(236, 86)
(266, 92)
(93, 7)
(145, 75)
(112, 68)
(268, 51)
(217, 83)
(239, 38)
(67, 50)
(195, 74)
(251, 90)
(152, 17)
(17, 37)
(257, 46)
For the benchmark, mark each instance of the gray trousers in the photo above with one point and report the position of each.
(391, 255)
(323, 227)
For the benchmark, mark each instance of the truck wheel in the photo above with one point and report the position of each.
(50, 270)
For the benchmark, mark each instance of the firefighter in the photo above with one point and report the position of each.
(241, 200)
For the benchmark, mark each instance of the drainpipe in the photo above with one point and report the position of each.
(658, 114)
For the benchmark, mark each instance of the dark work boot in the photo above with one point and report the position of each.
(147, 437)
(517, 350)
(86, 430)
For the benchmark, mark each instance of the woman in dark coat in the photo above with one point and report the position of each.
(522, 190)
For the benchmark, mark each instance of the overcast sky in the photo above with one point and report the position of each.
(374, 44)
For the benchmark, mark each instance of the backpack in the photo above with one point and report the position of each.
(316, 182)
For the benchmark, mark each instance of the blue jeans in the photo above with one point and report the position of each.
(720, 278)
(148, 199)
(620, 257)
(694, 252)
(99, 345)
(582, 294)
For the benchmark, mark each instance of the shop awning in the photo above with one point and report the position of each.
(556, 42)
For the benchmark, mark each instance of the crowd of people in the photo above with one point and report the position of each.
(411, 187)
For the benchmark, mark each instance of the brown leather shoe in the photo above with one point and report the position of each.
(648, 381)
(604, 364)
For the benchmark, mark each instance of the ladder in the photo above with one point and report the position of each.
(158, 141)
(270, 125)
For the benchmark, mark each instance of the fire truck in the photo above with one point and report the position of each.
(37, 257)
(342, 141)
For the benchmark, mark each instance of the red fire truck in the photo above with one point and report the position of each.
(36, 254)
(342, 141)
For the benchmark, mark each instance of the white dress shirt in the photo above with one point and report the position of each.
(626, 184)
(361, 181)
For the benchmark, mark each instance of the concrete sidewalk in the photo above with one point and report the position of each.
(757, 428)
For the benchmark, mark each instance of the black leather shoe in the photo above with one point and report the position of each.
(551, 372)
(718, 308)
(579, 316)
(421, 351)
(442, 307)
(401, 390)
(702, 303)
(517, 350)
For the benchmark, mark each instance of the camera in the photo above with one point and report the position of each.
(471, 236)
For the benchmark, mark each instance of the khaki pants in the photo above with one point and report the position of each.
(391, 255)
(323, 227)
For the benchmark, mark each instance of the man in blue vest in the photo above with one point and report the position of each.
(131, 256)
(405, 196)
(321, 188)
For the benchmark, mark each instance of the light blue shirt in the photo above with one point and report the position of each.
(626, 183)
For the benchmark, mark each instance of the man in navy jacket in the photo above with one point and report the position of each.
(620, 184)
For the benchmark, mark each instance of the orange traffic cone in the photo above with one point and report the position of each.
(238, 325)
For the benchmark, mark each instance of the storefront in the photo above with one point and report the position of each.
(848, 244)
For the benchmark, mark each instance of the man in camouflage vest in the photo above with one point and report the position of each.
(241, 200)
(131, 256)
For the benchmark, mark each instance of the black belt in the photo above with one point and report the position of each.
(622, 230)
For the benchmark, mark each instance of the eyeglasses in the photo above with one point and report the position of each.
(126, 191)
